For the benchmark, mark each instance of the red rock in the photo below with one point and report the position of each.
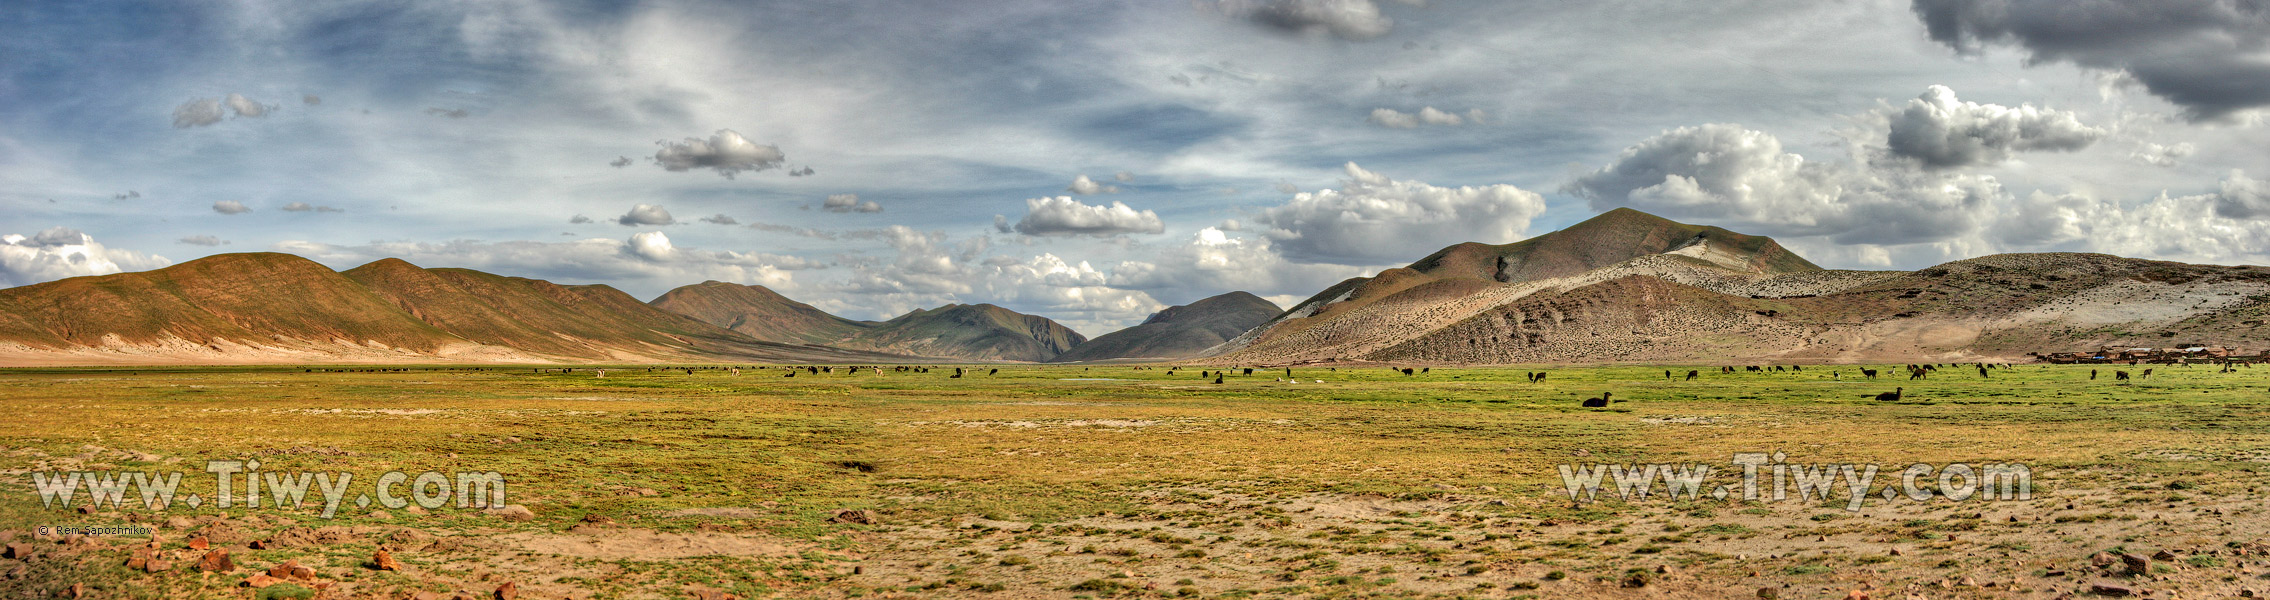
(261, 544)
(508, 591)
(384, 561)
(283, 569)
(77, 590)
(2107, 589)
(1857, 595)
(260, 580)
(198, 543)
(17, 551)
(216, 561)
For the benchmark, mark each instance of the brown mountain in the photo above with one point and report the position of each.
(1179, 331)
(968, 332)
(267, 307)
(1722, 297)
(758, 312)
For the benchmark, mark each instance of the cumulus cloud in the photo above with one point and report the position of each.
(2163, 155)
(448, 113)
(1740, 178)
(1346, 19)
(305, 207)
(2194, 228)
(198, 113)
(1388, 117)
(203, 240)
(725, 152)
(1940, 131)
(1211, 261)
(231, 207)
(1062, 215)
(1373, 220)
(2211, 57)
(847, 203)
(646, 214)
(61, 252)
(720, 219)
(1082, 185)
(930, 268)
(2243, 198)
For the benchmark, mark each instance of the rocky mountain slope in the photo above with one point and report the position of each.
(967, 332)
(1179, 331)
(758, 312)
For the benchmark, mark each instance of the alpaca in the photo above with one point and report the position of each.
(1891, 395)
(1599, 402)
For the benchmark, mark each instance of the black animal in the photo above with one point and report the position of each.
(1891, 395)
(1982, 372)
(1217, 379)
(1600, 402)
(1407, 371)
(993, 372)
(1692, 374)
(2092, 374)
(2119, 375)
(2147, 374)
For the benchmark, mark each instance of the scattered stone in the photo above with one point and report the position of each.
(1895, 552)
(2102, 559)
(199, 543)
(508, 591)
(858, 516)
(261, 545)
(77, 590)
(1767, 593)
(1857, 595)
(2107, 589)
(86, 509)
(384, 561)
(17, 551)
(260, 580)
(179, 523)
(2136, 564)
(216, 561)
(711, 594)
(2163, 555)
(597, 519)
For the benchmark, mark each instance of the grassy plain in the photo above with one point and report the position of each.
(1115, 481)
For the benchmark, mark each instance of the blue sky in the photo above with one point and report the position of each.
(1274, 146)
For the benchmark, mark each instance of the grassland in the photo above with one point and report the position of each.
(1068, 482)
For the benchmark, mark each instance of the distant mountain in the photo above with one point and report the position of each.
(1627, 286)
(758, 312)
(1179, 331)
(270, 308)
(969, 332)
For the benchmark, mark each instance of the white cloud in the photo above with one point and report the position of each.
(1211, 262)
(1082, 185)
(646, 214)
(846, 203)
(2163, 156)
(1940, 131)
(62, 252)
(725, 152)
(652, 245)
(1062, 215)
(305, 207)
(2243, 198)
(1741, 179)
(1347, 19)
(245, 107)
(1373, 220)
(198, 113)
(203, 240)
(1388, 117)
(231, 207)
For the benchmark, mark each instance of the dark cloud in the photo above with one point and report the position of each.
(2243, 198)
(620, 162)
(646, 214)
(1346, 19)
(725, 152)
(2207, 56)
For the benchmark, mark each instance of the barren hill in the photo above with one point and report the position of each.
(1729, 298)
(969, 332)
(758, 312)
(1179, 331)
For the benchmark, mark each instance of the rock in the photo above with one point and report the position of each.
(508, 591)
(597, 519)
(260, 581)
(17, 551)
(513, 512)
(2136, 564)
(711, 594)
(1767, 593)
(859, 516)
(2107, 589)
(199, 543)
(384, 561)
(261, 545)
(77, 590)
(2248, 593)
(2163, 555)
(380, 515)
(179, 523)
(1895, 552)
(1857, 595)
(86, 509)
(216, 561)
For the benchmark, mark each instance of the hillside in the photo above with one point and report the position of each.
(270, 308)
(1745, 299)
(1179, 331)
(968, 332)
(758, 312)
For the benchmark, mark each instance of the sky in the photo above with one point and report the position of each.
(1094, 162)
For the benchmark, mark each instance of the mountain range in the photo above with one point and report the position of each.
(1622, 286)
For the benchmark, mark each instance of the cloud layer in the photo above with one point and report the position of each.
(2211, 57)
(725, 152)
(1374, 220)
(1062, 215)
